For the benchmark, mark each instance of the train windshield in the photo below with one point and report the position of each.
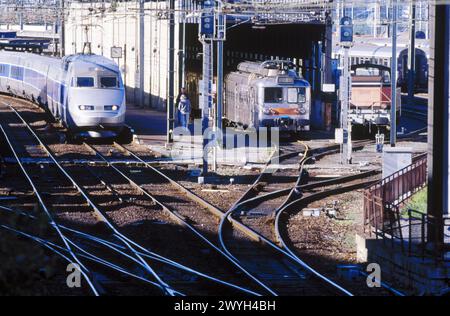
(296, 95)
(273, 95)
(373, 72)
(85, 82)
(108, 82)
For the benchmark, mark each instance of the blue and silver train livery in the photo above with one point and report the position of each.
(84, 92)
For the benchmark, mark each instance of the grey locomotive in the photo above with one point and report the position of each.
(267, 94)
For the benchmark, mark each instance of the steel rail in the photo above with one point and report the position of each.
(296, 191)
(303, 201)
(84, 271)
(174, 215)
(250, 232)
(72, 243)
(102, 217)
(385, 285)
(109, 244)
(53, 247)
(215, 211)
(125, 240)
(262, 239)
(281, 192)
(315, 153)
(221, 215)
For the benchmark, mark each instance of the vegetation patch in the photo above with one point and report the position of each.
(417, 203)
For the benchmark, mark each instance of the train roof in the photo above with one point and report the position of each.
(96, 60)
(41, 59)
(88, 60)
(269, 68)
(374, 51)
(401, 42)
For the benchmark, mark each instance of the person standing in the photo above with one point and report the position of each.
(184, 110)
(177, 102)
(182, 92)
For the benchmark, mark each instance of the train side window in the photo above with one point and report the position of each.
(17, 73)
(108, 82)
(85, 82)
(273, 95)
(4, 70)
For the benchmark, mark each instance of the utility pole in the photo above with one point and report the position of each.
(182, 48)
(386, 7)
(21, 15)
(221, 37)
(393, 136)
(171, 92)
(412, 53)
(345, 103)
(346, 38)
(438, 125)
(141, 51)
(62, 28)
(206, 35)
(376, 17)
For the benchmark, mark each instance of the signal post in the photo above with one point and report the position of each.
(346, 39)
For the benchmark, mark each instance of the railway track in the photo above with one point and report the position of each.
(196, 246)
(68, 202)
(313, 193)
(86, 189)
(205, 222)
(250, 222)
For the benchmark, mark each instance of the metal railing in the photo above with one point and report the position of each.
(408, 229)
(397, 187)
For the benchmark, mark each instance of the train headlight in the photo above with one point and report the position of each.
(302, 109)
(86, 107)
(270, 111)
(267, 111)
(111, 107)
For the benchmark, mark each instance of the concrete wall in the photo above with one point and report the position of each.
(119, 27)
(415, 275)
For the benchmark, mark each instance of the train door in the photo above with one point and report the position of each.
(48, 89)
(254, 108)
(63, 104)
(4, 74)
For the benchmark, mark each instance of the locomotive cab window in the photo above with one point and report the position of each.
(273, 95)
(85, 82)
(296, 95)
(108, 82)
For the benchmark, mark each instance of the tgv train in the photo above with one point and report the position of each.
(379, 51)
(267, 94)
(84, 92)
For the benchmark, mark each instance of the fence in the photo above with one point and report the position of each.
(382, 215)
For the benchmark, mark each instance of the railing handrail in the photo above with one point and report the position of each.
(382, 214)
(374, 187)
